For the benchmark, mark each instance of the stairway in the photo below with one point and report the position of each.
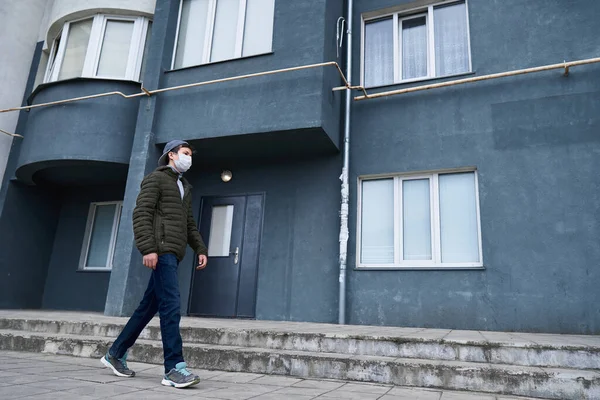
(533, 365)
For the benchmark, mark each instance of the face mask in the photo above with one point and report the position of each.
(183, 163)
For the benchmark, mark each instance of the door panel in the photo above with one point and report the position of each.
(249, 266)
(227, 286)
(215, 288)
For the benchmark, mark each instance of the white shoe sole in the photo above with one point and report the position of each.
(167, 382)
(114, 370)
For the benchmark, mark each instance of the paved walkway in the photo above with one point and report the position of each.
(43, 376)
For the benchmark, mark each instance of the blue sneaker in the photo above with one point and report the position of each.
(118, 365)
(180, 377)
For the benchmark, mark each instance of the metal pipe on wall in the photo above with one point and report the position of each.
(145, 92)
(345, 188)
(565, 65)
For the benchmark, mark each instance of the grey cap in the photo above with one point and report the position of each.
(163, 160)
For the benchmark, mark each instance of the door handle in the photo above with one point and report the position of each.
(236, 254)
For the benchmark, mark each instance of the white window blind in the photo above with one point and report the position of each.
(76, 48)
(116, 46)
(218, 30)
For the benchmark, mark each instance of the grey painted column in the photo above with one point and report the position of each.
(129, 277)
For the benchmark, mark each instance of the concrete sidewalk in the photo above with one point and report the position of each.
(43, 376)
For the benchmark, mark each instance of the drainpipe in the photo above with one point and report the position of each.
(345, 170)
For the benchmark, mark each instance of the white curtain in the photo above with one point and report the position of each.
(225, 31)
(414, 48)
(451, 39)
(258, 27)
(115, 49)
(377, 223)
(379, 53)
(100, 237)
(416, 215)
(192, 32)
(458, 218)
(77, 44)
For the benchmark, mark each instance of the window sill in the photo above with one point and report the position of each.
(420, 80)
(419, 268)
(219, 62)
(94, 270)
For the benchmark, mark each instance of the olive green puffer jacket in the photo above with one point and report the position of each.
(163, 222)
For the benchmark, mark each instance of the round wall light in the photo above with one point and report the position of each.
(226, 175)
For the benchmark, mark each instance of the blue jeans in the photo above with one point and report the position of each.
(162, 295)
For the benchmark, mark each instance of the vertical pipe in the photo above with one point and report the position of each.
(345, 170)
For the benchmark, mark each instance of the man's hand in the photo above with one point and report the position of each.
(202, 260)
(150, 260)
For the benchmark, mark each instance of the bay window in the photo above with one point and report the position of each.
(101, 46)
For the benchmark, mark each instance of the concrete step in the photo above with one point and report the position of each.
(559, 351)
(548, 383)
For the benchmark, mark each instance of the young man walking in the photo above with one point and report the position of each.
(163, 225)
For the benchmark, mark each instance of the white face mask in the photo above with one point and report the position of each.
(183, 163)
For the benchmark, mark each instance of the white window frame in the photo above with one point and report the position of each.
(211, 16)
(88, 236)
(94, 48)
(434, 207)
(406, 14)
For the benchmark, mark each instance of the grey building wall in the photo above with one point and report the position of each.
(19, 25)
(28, 218)
(303, 33)
(26, 235)
(66, 288)
(297, 274)
(252, 119)
(534, 140)
(70, 143)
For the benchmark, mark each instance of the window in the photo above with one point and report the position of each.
(99, 47)
(221, 225)
(217, 30)
(420, 221)
(425, 43)
(100, 236)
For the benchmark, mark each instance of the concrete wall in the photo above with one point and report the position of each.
(297, 274)
(534, 140)
(19, 23)
(26, 237)
(82, 134)
(67, 288)
(28, 218)
(284, 102)
(218, 112)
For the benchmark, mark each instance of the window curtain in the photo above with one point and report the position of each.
(379, 53)
(451, 39)
(414, 48)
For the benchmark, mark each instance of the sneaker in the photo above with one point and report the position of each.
(180, 377)
(118, 365)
